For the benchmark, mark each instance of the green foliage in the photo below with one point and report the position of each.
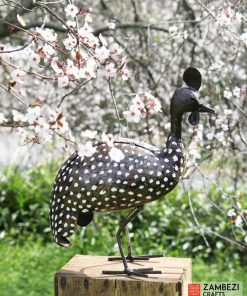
(24, 203)
(29, 269)
(165, 226)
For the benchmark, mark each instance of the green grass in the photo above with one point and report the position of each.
(29, 269)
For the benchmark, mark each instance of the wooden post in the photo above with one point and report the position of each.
(82, 276)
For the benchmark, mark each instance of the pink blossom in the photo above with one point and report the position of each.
(34, 59)
(47, 34)
(108, 139)
(110, 70)
(125, 73)
(70, 42)
(54, 65)
(133, 115)
(71, 10)
(138, 103)
(17, 74)
(102, 53)
(71, 69)
(33, 113)
(63, 81)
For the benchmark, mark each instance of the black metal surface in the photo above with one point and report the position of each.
(98, 183)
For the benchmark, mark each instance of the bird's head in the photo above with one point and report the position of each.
(185, 99)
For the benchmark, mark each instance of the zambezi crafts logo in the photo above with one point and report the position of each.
(194, 290)
(215, 289)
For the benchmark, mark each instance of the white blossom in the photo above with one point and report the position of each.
(89, 134)
(88, 18)
(231, 213)
(17, 74)
(133, 115)
(63, 81)
(91, 67)
(110, 70)
(21, 20)
(86, 150)
(71, 69)
(54, 65)
(116, 154)
(34, 59)
(243, 38)
(239, 221)
(2, 118)
(220, 136)
(71, 10)
(70, 42)
(18, 117)
(102, 53)
(102, 40)
(125, 73)
(108, 139)
(236, 92)
(48, 50)
(228, 111)
(138, 103)
(227, 93)
(174, 31)
(71, 24)
(32, 114)
(111, 25)
(47, 34)
(25, 136)
(85, 31)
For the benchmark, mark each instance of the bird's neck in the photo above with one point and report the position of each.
(174, 142)
(176, 121)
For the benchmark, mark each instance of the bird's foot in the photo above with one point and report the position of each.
(143, 272)
(132, 258)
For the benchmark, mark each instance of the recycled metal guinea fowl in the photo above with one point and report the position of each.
(98, 183)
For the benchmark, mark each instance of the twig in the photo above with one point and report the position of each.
(126, 26)
(225, 238)
(14, 94)
(196, 221)
(73, 91)
(17, 49)
(28, 72)
(33, 35)
(14, 125)
(115, 106)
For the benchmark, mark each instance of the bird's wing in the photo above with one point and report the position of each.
(134, 143)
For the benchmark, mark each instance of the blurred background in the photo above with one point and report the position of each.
(70, 67)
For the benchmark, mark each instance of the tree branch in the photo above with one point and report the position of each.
(126, 26)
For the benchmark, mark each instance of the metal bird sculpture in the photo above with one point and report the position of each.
(147, 173)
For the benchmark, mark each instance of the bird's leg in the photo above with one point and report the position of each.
(138, 272)
(129, 256)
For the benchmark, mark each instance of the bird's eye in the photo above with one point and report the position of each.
(193, 99)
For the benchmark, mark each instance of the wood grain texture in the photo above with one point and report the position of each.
(82, 276)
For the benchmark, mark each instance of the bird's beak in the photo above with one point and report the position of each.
(205, 109)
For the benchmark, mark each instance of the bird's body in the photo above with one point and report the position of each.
(85, 185)
(98, 183)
